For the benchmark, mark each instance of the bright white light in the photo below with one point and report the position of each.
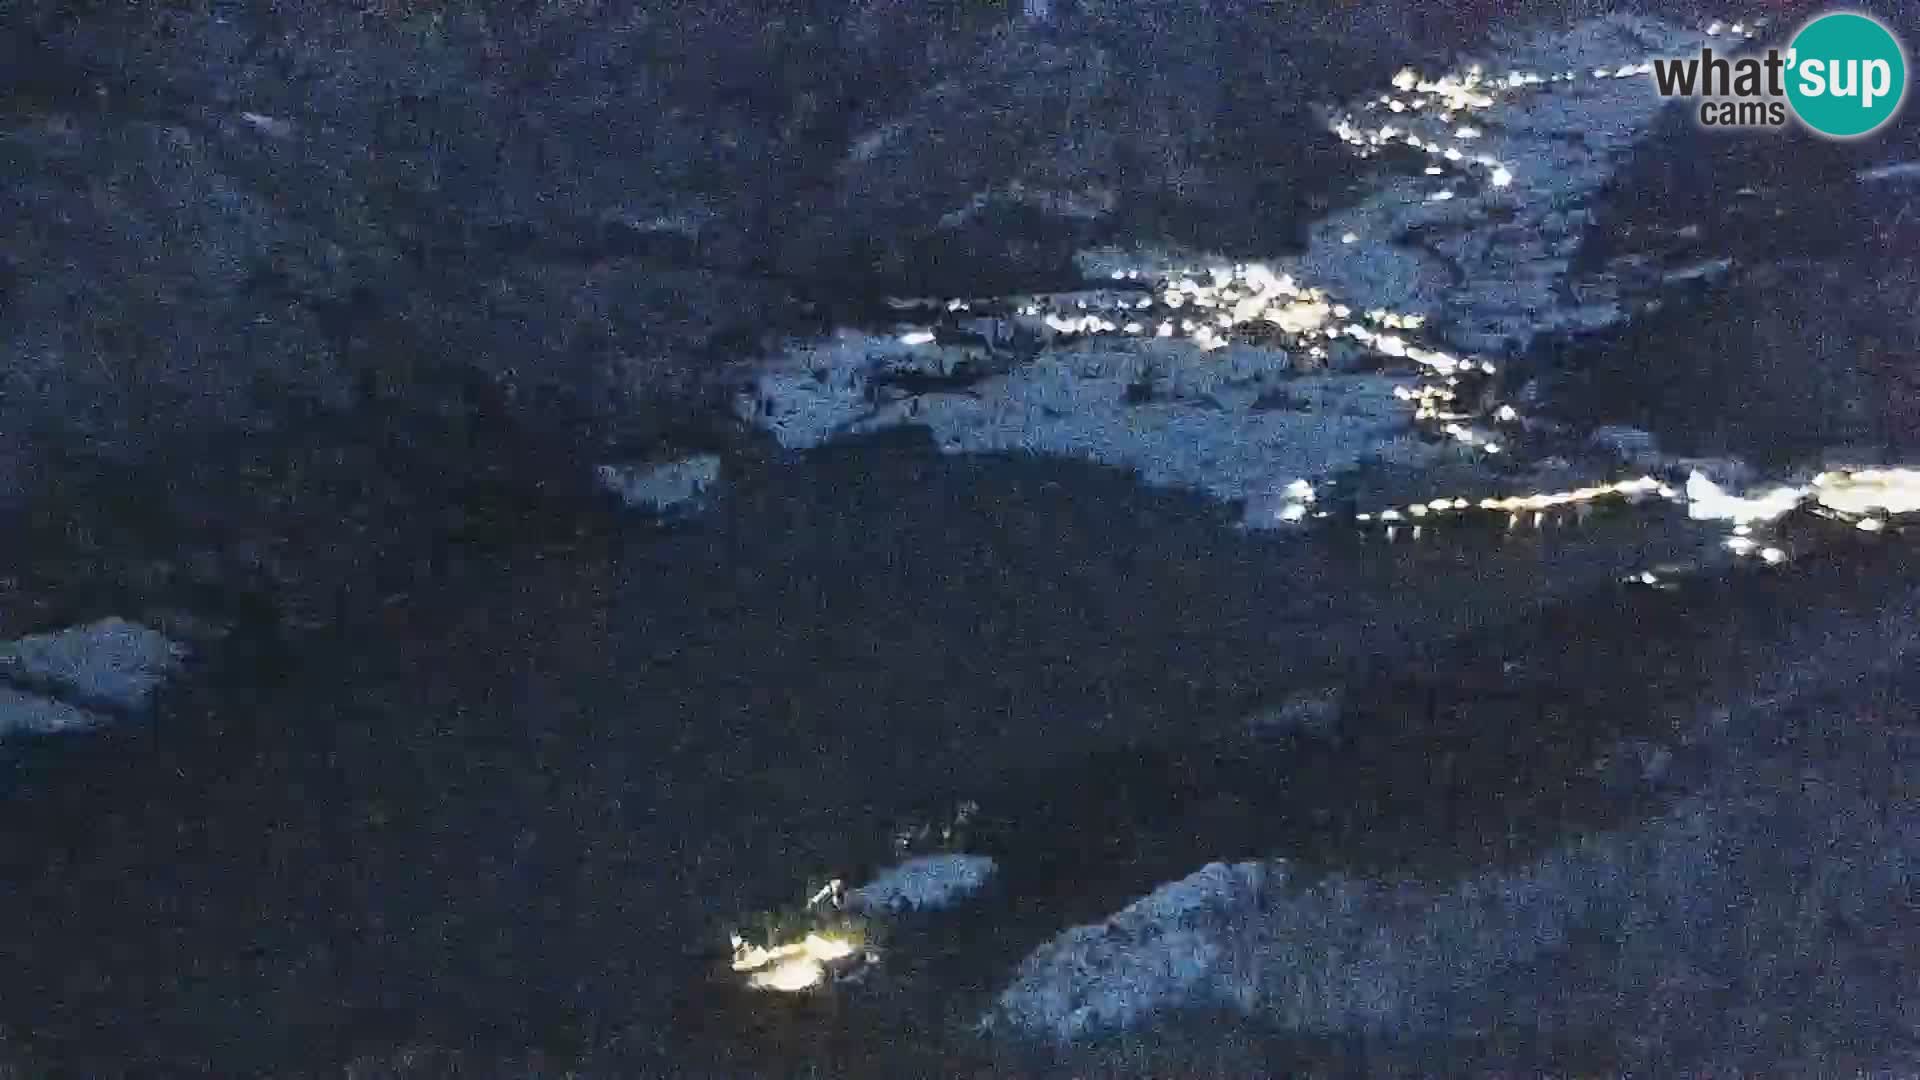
(1440, 196)
(1706, 501)
(1294, 512)
(1349, 238)
(1896, 491)
(916, 337)
(1870, 525)
(789, 976)
(1407, 79)
(1301, 489)
(1713, 29)
(1434, 170)
(1506, 413)
(1501, 177)
(1466, 132)
(1773, 555)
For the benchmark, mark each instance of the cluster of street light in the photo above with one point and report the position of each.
(1212, 306)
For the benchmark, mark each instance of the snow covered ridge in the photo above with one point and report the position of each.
(1171, 948)
(1344, 955)
(1652, 904)
(1515, 143)
(1240, 379)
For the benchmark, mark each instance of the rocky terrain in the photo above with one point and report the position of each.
(858, 539)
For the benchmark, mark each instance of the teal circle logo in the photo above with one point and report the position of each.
(1846, 75)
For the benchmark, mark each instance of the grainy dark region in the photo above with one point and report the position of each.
(1209, 539)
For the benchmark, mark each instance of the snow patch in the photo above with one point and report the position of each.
(1233, 422)
(112, 663)
(1168, 949)
(674, 485)
(926, 883)
(1491, 262)
(26, 714)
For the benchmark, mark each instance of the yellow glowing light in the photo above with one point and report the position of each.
(1896, 491)
(789, 976)
(791, 967)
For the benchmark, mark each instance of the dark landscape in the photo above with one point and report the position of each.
(329, 331)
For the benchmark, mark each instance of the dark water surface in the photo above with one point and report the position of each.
(510, 813)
